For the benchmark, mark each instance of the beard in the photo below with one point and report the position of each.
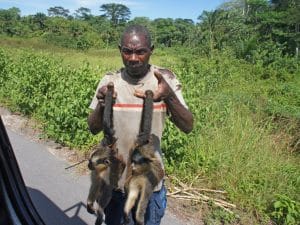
(137, 70)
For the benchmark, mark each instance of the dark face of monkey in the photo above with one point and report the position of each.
(100, 159)
(139, 162)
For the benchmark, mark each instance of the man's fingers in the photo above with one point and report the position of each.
(103, 90)
(139, 93)
(100, 96)
(158, 75)
(110, 85)
(156, 96)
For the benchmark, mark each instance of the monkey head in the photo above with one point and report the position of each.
(101, 158)
(140, 162)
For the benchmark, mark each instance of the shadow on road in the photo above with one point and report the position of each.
(52, 214)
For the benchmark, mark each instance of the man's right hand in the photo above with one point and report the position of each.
(103, 90)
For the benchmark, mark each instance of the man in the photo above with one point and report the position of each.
(130, 83)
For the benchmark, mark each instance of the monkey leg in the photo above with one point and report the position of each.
(131, 199)
(103, 198)
(102, 203)
(142, 204)
(93, 194)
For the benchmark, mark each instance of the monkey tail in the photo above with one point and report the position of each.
(107, 116)
(146, 122)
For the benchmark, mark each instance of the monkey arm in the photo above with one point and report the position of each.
(180, 115)
(95, 119)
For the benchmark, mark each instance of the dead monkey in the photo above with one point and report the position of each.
(145, 170)
(105, 164)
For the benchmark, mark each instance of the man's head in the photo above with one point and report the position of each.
(136, 49)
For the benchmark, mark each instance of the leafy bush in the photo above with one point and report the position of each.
(41, 86)
(67, 41)
(285, 210)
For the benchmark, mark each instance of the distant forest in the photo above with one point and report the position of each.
(244, 26)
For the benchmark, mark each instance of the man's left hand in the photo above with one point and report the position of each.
(162, 92)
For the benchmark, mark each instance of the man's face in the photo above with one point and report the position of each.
(135, 53)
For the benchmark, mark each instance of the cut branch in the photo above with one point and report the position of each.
(185, 192)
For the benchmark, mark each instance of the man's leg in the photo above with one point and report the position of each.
(156, 207)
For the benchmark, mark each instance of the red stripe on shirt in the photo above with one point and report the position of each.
(125, 105)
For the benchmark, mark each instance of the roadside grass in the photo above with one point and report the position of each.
(238, 145)
(243, 156)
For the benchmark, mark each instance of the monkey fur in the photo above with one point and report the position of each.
(144, 168)
(105, 164)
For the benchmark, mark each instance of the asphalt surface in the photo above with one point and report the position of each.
(58, 194)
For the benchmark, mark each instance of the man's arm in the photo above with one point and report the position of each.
(95, 119)
(180, 115)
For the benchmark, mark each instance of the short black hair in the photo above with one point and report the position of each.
(139, 29)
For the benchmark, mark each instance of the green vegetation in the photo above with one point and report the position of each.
(240, 73)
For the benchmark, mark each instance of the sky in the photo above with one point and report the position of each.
(186, 9)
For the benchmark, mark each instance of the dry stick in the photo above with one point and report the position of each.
(198, 189)
(205, 199)
(196, 196)
(75, 164)
(191, 184)
(202, 196)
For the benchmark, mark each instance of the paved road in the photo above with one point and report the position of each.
(58, 194)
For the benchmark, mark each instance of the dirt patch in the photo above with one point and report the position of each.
(186, 211)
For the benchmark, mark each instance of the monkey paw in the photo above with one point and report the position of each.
(139, 223)
(126, 220)
(99, 220)
(90, 208)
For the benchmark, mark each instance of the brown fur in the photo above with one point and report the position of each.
(141, 181)
(104, 178)
(105, 164)
(144, 170)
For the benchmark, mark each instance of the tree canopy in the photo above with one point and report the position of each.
(116, 13)
(245, 26)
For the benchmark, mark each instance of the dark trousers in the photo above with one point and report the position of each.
(114, 212)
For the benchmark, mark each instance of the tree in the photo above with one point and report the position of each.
(10, 21)
(281, 4)
(288, 24)
(164, 30)
(254, 9)
(116, 13)
(10, 14)
(208, 23)
(40, 19)
(83, 13)
(58, 11)
(145, 21)
(184, 29)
